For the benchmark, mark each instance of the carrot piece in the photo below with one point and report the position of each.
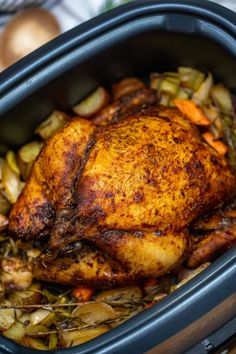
(218, 145)
(194, 113)
(149, 304)
(82, 293)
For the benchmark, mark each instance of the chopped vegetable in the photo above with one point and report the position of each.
(53, 123)
(82, 293)
(230, 138)
(72, 338)
(94, 313)
(93, 103)
(33, 253)
(38, 316)
(191, 78)
(16, 331)
(29, 152)
(169, 87)
(47, 321)
(221, 96)
(164, 100)
(194, 113)
(183, 94)
(24, 168)
(11, 160)
(33, 343)
(11, 183)
(203, 92)
(218, 145)
(7, 317)
(214, 115)
(31, 296)
(36, 330)
(52, 345)
(155, 81)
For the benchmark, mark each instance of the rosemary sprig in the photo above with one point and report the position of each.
(123, 303)
(58, 330)
(43, 306)
(82, 327)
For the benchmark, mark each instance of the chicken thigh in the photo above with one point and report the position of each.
(128, 191)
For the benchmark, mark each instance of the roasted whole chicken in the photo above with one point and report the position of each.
(125, 186)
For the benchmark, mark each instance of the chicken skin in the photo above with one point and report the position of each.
(128, 191)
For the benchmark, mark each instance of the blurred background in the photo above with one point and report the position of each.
(27, 24)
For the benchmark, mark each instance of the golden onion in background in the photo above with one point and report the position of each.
(26, 32)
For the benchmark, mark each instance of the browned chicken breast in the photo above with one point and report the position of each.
(128, 190)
